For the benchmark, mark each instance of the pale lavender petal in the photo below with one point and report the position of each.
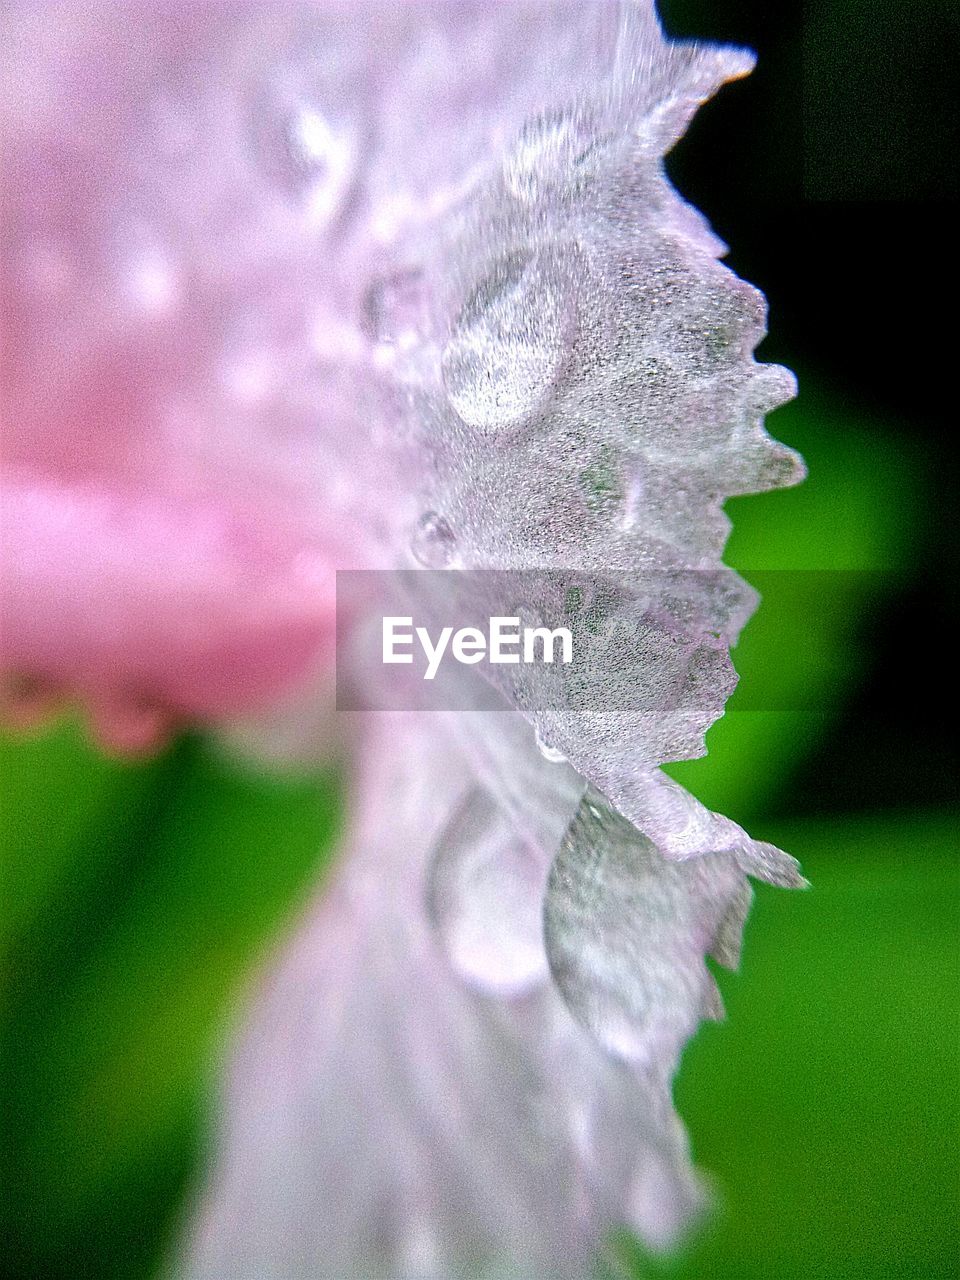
(385, 1120)
(376, 285)
(571, 370)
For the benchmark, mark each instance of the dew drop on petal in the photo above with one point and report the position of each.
(486, 885)
(510, 343)
(627, 930)
(304, 154)
(434, 543)
(393, 308)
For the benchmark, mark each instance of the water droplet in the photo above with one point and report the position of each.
(485, 893)
(434, 542)
(548, 152)
(393, 309)
(511, 341)
(550, 753)
(615, 907)
(305, 155)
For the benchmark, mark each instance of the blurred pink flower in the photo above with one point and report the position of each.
(292, 288)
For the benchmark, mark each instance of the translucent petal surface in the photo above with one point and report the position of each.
(403, 285)
(628, 932)
(385, 1119)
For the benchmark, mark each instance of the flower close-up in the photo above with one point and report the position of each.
(322, 319)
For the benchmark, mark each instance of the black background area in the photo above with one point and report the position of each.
(832, 172)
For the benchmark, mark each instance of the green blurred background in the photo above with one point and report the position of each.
(138, 900)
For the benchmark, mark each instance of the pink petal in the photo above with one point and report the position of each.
(156, 608)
